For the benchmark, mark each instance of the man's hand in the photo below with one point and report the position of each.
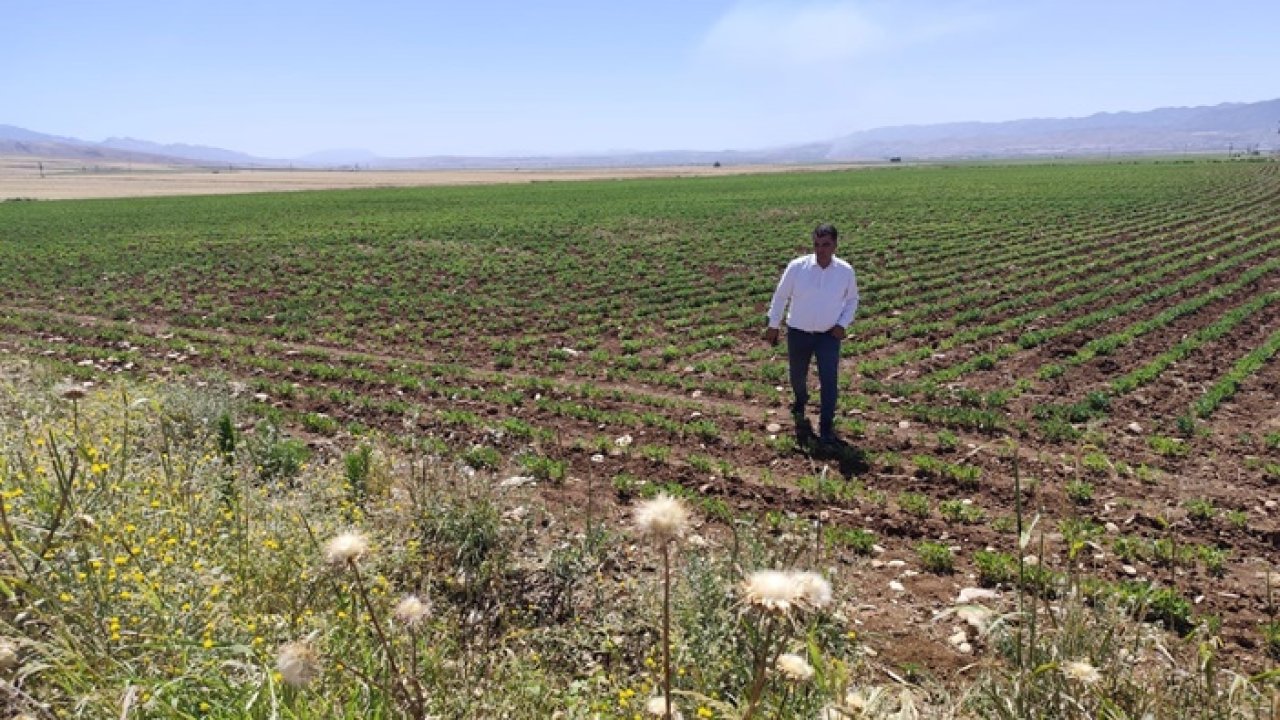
(771, 336)
(837, 331)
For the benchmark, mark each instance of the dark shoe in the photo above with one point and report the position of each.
(804, 431)
(828, 438)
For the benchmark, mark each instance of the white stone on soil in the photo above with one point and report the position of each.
(970, 594)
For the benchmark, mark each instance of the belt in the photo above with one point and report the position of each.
(810, 332)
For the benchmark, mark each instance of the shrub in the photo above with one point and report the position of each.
(626, 485)
(1167, 552)
(860, 541)
(1238, 519)
(1057, 430)
(995, 568)
(277, 456)
(1214, 559)
(358, 464)
(1096, 463)
(915, 504)
(1080, 491)
(1040, 581)
(517, 428)
(1167, 446)
(1186, 425)
(965, 476)
(701, 463)
(226, 431)
(1200, 509)
(1271, 472)
(1130, 548)
(544, 468)
(704, 430)
(961, 511)
(1271, 638)
(654, 453)
(947, 441)
(1077, 533)
(1051, 371)
(482, 457)
(1169, 607)
(321, 424)
(1098, 402)
(936, 557)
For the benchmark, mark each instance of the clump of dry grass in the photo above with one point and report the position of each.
(133, 582)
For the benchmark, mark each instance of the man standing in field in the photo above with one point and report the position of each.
(822, 292)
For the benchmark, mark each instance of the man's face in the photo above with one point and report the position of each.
(824, 248)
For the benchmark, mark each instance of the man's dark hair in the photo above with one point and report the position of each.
(826, 230)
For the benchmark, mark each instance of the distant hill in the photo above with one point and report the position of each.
(20, 141)
(1221, 128)
(339, 157)
(199, 153)
(1235, 127)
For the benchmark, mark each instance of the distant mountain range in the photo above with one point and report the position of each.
(1229, 127)
(20, 141)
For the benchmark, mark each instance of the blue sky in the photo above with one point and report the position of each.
(403, 78)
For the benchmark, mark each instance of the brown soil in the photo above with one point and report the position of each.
(1225, 464)
(742, 465)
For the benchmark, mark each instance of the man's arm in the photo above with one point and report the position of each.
(781, 295)
(850, 307)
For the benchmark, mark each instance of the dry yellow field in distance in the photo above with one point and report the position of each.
(66, 179)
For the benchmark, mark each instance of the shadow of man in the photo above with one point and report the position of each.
(849, 459)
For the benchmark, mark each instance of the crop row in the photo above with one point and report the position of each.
(462, 296)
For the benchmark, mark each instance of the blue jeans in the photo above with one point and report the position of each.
(801, 349)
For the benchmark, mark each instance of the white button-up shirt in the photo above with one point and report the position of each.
(820, 298)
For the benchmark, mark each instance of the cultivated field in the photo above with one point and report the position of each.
(1100, 336)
